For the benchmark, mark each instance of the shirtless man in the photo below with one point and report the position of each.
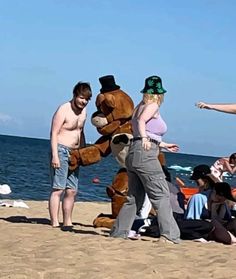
(66, 134)
(228, 108)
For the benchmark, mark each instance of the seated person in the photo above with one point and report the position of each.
(189, 229)
(211, 204)
(203, 177)
(225, 164)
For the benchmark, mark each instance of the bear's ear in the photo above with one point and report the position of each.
(110, 100)
(100, 98)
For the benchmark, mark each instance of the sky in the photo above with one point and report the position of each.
(47, 46)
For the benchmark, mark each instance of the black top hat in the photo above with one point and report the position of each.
(223, 189)
(108, 84)
(200, 171)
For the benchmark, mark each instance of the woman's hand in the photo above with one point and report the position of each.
(146, 144)
(203, 105)
(171, 147)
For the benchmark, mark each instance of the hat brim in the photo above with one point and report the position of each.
(109, 89)
(159, 91)
(195, 177)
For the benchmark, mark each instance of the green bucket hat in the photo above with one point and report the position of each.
(153, 85)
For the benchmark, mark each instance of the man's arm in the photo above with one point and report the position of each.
(57, 122)
(227, 108)
(82, 142)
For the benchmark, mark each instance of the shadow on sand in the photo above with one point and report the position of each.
(45, 221)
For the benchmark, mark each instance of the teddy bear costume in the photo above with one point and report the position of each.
(112, 120)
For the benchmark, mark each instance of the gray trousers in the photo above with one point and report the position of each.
(146, 176)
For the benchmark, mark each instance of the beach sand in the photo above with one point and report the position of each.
(36, 250)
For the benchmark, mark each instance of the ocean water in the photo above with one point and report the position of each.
(24, 166)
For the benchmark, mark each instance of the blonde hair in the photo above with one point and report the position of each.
(157, 98)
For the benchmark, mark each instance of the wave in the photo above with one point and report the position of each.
(180, 168)
(189, 169)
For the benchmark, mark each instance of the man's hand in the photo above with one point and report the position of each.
(55, 163)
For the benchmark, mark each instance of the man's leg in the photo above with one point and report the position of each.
(54, 206)
(67, 206)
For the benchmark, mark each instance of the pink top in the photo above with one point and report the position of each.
(155, 128)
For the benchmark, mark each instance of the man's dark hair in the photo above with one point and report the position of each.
(82, 88)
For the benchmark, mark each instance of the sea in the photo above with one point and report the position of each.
(24, 166)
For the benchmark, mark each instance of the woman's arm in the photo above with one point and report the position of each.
(228, 108)
(172, 147)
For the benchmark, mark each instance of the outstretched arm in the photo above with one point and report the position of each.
(172, 147)
(228, 108)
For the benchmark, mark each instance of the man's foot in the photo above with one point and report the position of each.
(55, 224)
(67, 228)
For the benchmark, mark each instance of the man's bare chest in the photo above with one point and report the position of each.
(73, 122)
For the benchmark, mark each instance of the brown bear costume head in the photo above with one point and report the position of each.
(114, 108)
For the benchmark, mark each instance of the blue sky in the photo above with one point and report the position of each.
(48, 46)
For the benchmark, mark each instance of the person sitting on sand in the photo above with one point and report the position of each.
(203, 177)
(197, 230)
(211, 204)
(205, 180)
(225, 164)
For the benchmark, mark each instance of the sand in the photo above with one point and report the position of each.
(36, 250)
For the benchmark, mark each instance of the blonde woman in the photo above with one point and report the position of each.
(144, 170)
